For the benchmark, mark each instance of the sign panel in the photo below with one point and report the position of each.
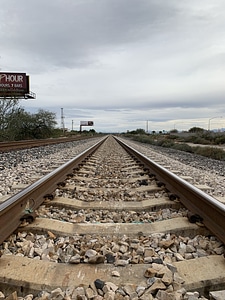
(86, 123)
(13, 84)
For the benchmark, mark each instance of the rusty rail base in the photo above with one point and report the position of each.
(211, 211)
(17, 206)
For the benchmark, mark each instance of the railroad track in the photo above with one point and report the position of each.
(25, 144)
(112, 223)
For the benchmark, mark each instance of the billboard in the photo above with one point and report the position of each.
(13, 84)
(86, 123)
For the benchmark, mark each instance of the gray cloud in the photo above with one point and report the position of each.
(119, 62)
(70, 33)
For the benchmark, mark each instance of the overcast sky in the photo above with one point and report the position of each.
(124, 64)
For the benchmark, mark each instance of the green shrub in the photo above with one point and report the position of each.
(220, 140)
(171, 137)
(183, 147)
(199, 140)
(167, 142)
(212, 152)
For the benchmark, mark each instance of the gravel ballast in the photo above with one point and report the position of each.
(19, 167)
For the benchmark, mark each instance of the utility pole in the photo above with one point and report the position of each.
(210, 120)
(62, 121)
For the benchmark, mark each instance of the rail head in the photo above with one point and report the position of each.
(15, 208)
(211, 211)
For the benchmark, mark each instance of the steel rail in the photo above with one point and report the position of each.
(211, 211)
(25, 202)
(18, 145)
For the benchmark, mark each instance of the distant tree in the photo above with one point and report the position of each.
(137, 131)
(174, 131)
(8, 107)
(20, 125)
(140, 131)
(92, 131)
(43, 122)
(196, 130)
(17, 124)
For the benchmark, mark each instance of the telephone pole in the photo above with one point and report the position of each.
(62, 121)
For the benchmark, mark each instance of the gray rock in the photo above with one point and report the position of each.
(57, 294)
(90, 252)
(75, 259)
(121, 262)
(97, 259)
